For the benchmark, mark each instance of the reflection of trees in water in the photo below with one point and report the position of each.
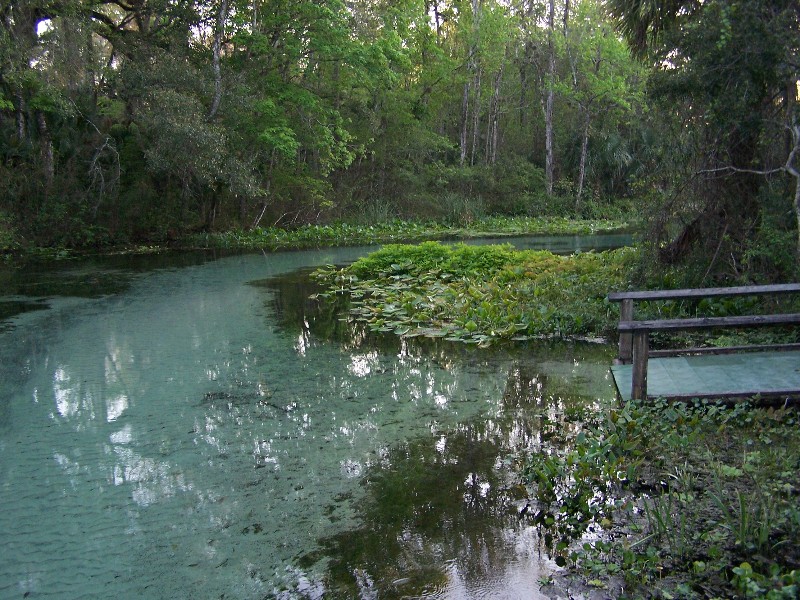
(441, 511)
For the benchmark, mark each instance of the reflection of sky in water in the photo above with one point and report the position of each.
(171, 442)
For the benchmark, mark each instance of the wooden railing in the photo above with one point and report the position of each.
(634, 336)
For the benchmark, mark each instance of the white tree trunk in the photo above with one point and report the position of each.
(464, 123)
(476, 116)
(548, 111)
(493, 126)
(216, 49)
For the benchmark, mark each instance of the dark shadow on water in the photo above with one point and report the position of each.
(12, 308)
(444, 515)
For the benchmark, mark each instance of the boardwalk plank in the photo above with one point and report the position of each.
(709, 376)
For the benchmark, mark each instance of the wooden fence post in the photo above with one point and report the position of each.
(641, 350)
(625, 338)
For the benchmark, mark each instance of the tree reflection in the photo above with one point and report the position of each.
(440, 517)
(204, 447)
(441, 512)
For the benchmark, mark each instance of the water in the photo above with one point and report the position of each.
(562, 244)
(176, 427)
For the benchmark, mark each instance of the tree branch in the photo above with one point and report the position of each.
(732, 169)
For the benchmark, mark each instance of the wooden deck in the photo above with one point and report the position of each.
(768, 374)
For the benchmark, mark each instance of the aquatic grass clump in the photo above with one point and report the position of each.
(479, 294)
(696, 500)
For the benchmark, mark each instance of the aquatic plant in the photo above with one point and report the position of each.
(347, 234)
(479, 294)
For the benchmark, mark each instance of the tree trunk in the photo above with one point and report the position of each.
(48, 161)
(20, 115)
(523, 92)
(548, 111)
(797, 210)
(493, 127)
(476, 116)
(584, 154)
(794, 131)
(587, 117)
(216, 49)
(464, 123)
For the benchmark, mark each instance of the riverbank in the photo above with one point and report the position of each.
(332, 235)
(345, 234)
(661, 500)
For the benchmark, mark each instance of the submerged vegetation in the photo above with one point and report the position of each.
(675, 501)
(479, 294)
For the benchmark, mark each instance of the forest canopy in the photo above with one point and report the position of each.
(132, 120)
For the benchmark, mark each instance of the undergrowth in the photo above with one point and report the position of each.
(662, 500)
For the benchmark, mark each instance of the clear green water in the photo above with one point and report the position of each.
(176, 427)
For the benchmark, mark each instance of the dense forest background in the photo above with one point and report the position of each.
(134, 120)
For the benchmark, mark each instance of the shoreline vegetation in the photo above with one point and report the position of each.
(336, 234)
(695, 500)
(400, 231)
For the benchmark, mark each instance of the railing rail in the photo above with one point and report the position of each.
(634, 345)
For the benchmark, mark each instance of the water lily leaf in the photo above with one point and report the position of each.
(431, 332)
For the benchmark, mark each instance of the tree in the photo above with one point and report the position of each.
(737, 111)
(550, 97)
(603, 80)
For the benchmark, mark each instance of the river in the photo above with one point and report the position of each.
(192, 426)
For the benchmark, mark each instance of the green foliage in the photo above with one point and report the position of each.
(8, 237)
(313, 112)
(716, 171)
(388, 231)
(479, 294)
(694, 496)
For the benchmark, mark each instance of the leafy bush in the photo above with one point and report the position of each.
(8, 236)
(698, 499)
